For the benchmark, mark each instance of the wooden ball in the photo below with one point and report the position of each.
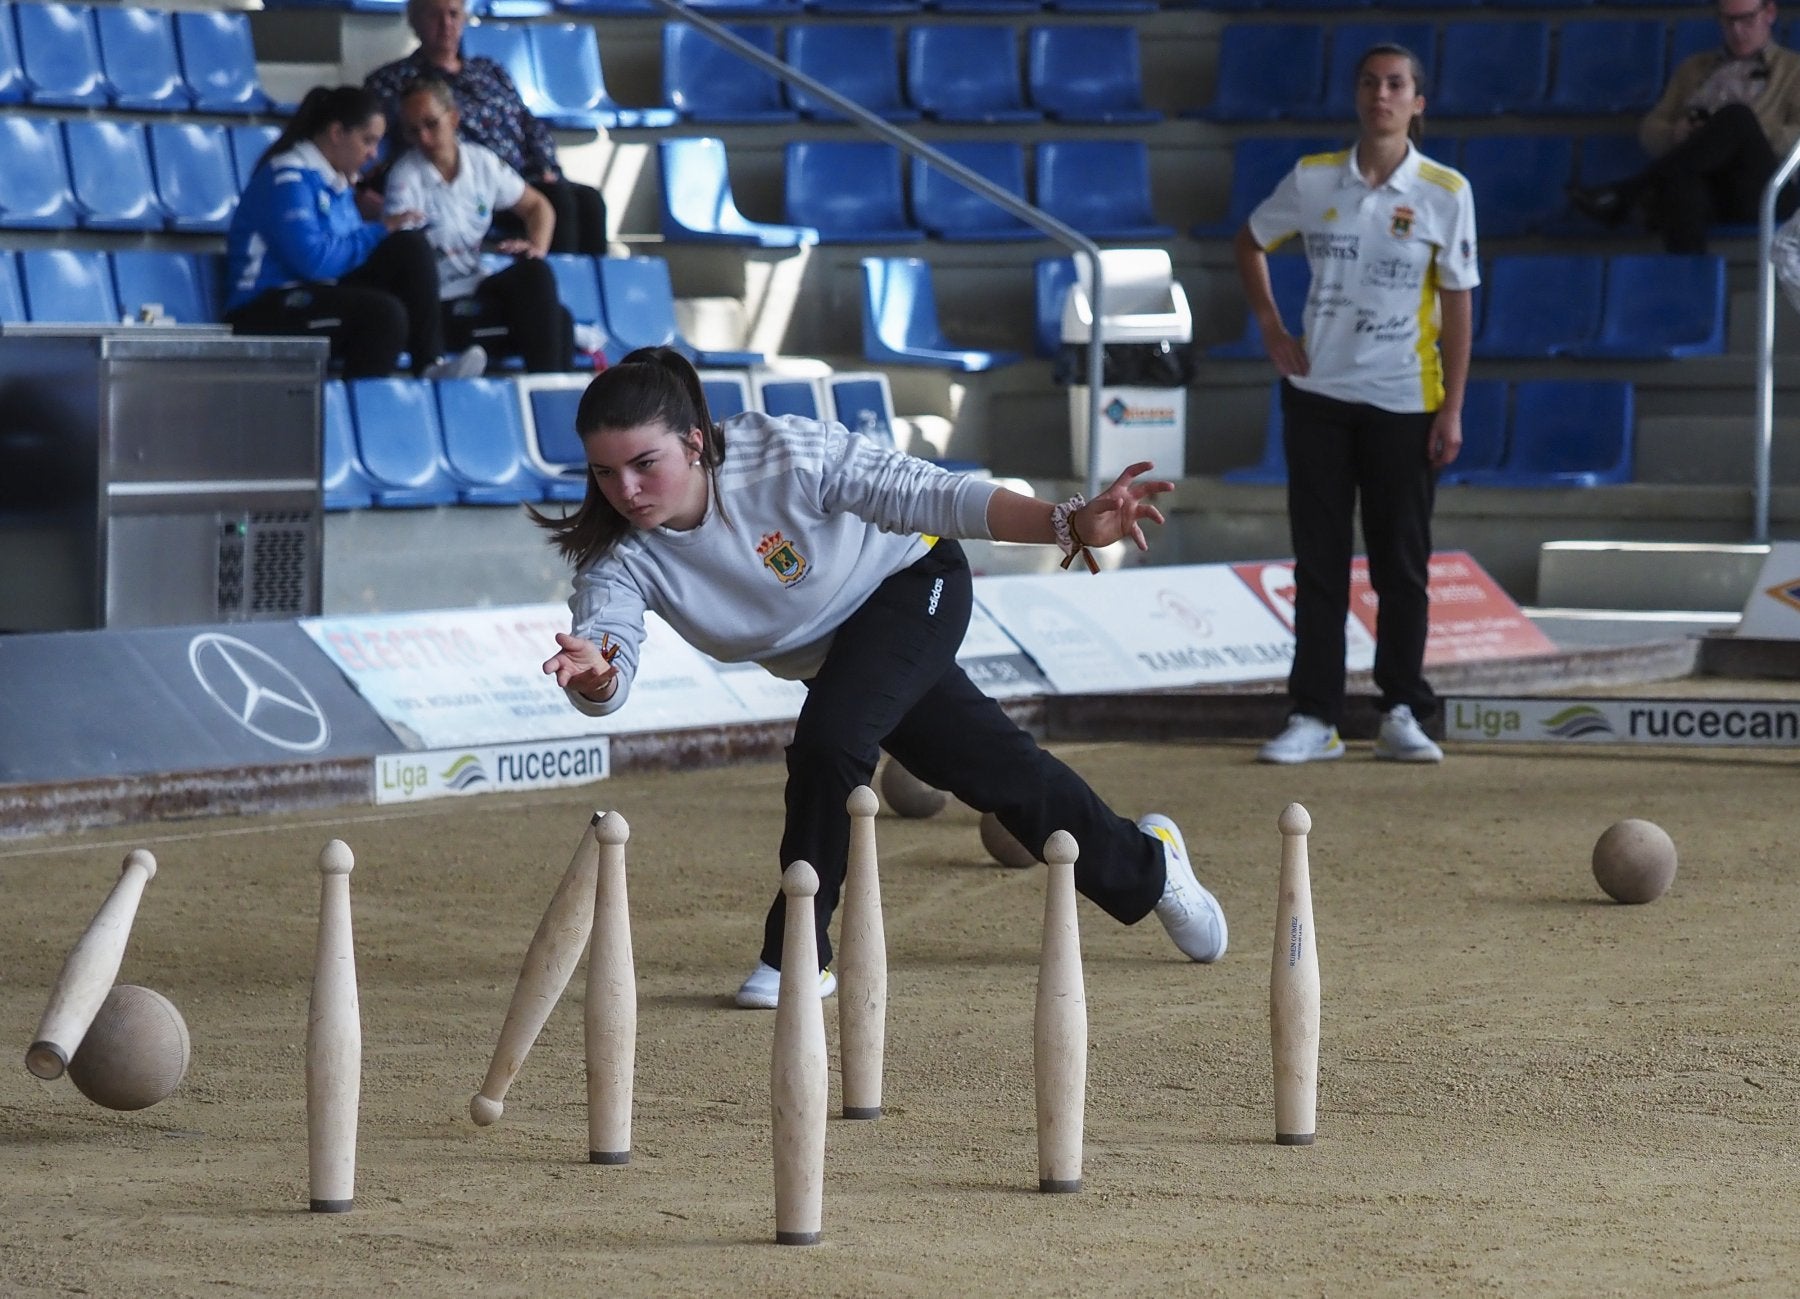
(135, 1052)
(907, 795)
(1001, 845)
(1634, 861)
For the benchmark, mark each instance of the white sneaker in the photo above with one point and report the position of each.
(1403, 740)
(1306, 739)
(468, 364)
(762, 990)
(1193, 917)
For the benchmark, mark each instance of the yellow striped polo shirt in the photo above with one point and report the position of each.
(1378, 259)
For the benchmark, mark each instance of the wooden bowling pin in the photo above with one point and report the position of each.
(556, 947)
(798, 1082)
(1060, 1037)
(610, 1013)
(1294, 989)
(862, 965)
(89, 970)
(333, 1042)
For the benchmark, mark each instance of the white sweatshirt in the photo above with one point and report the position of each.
(813, 519)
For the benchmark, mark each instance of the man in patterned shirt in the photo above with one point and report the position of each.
(493, 115)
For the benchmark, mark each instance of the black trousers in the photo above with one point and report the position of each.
(1715, 175)
(890, 681)
(515, 311)
(580, 218)
(1337, 451)
(386, 306)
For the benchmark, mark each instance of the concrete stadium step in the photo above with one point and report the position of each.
(1648, 576)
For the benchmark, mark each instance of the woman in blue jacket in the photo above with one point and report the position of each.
(302, 259)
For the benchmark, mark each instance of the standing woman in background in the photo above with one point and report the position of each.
(1371, 401)
(301, 258)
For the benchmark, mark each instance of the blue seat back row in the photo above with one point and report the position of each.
(1576, 67)
(102, 174)
(114, 56)
(1552, 433)
(631, 302)
(402, 442)
(91, 287)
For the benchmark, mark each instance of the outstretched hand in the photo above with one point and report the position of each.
(583, 666)
(1120, 510)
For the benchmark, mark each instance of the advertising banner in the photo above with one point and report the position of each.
(1705, 723)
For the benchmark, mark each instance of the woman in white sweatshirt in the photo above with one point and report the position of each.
(829, 559)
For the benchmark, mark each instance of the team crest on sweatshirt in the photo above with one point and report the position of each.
(782, 559)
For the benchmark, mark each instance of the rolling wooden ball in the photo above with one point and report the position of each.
(135, 1053)
(907, 795)
(1001, 845)
(1634, 861)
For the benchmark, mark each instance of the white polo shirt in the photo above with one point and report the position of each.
(1378, 258)
(457, 212)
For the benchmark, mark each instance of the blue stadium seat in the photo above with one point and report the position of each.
(1519, 181)
(1051, 278)
(248, 143)
(638, 297)
(864, 7)
(1349, 42)
(194, 175)
(697, 204)
(777, 393)
(176, 282)
(727, 393)
(1483, 429)
(1538, 305)
(1103, 6)
(1271, 470)
(573, 85)
(578, 289)
(705, 82)
(849, 191)
(1100, 187)
(966, 73)
(1660, 306)
(60, 53)
(1605, 159)
(68, 286)
(143, 67)
(400, 443)
(1488, 68)
(1087, 74)
(1277, 6)
(1606, 66)
(991, 7)
(1691, 36)
(1266, 71)
(614, 7)
(34, 183)
(950, 210)
(900, 320)
(12, 74)
(1258, 165)
(1565, 433)
(219, 62)
(12, 293)
(1290, 278)
(552, 431)
(509, 45)
(345, 482)
(484, 449)
(109, 175)
(863, 402)
(859, 61)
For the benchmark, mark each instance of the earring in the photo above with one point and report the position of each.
(694, 463)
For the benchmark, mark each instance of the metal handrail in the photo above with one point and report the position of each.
(1765, 339)
(913, 146)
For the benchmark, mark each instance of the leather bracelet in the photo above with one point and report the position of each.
(1062, 524)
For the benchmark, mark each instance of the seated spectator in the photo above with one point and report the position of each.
(461, 187)
(302, 259)
(493, 115)
(1724, 122)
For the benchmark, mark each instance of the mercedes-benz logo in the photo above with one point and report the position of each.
(258, 693)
